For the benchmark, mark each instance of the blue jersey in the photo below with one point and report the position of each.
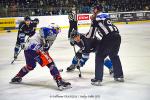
(101, 24)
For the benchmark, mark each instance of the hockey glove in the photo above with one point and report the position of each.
(46, 47)
(22, 45)
(72, 44)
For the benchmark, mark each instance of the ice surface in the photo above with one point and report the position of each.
(39, 85)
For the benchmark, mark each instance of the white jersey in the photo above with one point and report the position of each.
(34, 43)
(45, 37)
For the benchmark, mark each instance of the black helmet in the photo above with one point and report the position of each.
(74, 33)
(27, 18)
(98, 7)
(36, 20)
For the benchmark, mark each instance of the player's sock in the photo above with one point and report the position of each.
(53, 69)
(24, 71)
(108, 63)
(75, 60)
(16, 50)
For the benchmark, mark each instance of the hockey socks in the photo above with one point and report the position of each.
(24, 71)
(53, 70)
(108, 63)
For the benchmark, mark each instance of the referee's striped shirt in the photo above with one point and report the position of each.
(102, 25)
(72, 16)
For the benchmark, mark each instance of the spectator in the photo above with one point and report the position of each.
(62, 6)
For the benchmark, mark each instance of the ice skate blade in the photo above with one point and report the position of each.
(119, 79)
(61, 88)
(96, 83)
(70, 70)
(15, 82)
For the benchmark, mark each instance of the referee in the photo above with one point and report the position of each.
(72, 21)
(109, 45)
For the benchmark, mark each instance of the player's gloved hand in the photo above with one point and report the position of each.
(46, 47)
(22, 45)
(72, 44)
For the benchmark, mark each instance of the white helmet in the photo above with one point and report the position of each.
(54, 26)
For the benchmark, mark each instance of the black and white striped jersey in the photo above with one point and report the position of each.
(72, 16)
(102, 24)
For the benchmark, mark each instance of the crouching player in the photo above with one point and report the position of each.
(36, 50)
(86, 46)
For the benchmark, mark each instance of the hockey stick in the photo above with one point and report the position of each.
(19, 52)
(16, 57)
(80, 75)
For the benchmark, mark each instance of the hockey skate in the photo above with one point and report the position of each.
(71, 68)
(16, 79)
(119, 79)
(62, 84)
(96, 82)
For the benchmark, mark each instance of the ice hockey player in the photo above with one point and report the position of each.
(86, 47)
(36, 50)
(109, 45)
(26, 28)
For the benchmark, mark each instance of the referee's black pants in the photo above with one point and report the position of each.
(109, 46)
